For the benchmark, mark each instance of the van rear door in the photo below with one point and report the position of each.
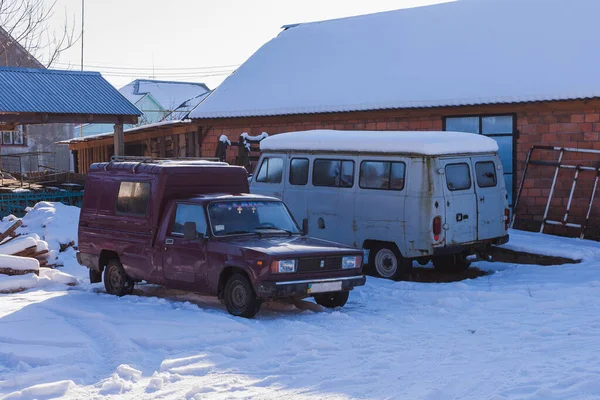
(491, 196)
(460, 198)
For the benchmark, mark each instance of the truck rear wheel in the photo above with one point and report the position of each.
(387, 262)
(451, 263)
(240, 298)
(333, 299)
(116, 280)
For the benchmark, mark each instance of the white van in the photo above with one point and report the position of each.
(400, 196)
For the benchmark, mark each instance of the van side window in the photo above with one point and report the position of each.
(334, 173)
(383, 175)
(458, 176)
(271, 170)
(189, 213)
(299, 171)
(133, 198)
(486, 174)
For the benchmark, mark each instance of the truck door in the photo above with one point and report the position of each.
(461, 204)
(184, 261)
(491, 196)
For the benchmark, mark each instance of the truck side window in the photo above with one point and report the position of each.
(486, 174)
(299, 171)
(133, 198)
(383, 175)
(458, 176)
(189, 213)
(333, 173)
(271, 170)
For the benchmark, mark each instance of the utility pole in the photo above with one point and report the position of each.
(82, 20)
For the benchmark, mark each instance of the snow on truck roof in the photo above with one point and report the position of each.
(398, 142)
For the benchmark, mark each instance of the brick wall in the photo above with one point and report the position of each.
(567, 124)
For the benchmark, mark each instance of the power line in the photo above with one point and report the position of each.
(112, 67)
(149, 73)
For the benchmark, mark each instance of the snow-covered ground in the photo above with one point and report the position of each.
(523, 332)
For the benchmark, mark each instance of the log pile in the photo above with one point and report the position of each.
(18, 247)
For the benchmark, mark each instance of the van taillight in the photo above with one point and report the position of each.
(506, 218)
(437, 228)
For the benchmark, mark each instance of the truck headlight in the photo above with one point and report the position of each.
(283, 266)
(349, 262)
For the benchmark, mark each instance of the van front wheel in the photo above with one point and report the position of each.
(388, 263)
(116, 280)
(451, 263)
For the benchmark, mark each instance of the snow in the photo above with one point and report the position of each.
(19, 263)
(256, 138)
(555, 246)
(452, 54)
(19, 244)
(224, 139)
(401, 142)
(170, 95)
(523, 332)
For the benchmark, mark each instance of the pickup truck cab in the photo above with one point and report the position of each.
(189, 226)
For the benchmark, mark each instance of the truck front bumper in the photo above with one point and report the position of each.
(308, 287)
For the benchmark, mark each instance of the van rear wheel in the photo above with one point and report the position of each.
(333, 299)
(388, 263)
(451, 263)
(240, 298)
(116, 280)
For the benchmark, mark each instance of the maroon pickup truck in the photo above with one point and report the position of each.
(186, 225)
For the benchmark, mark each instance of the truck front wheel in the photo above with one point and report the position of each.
(116, 280)
(451, 263)
(240, 298)
(333, 299)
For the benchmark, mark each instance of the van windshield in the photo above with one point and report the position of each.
(240, 217)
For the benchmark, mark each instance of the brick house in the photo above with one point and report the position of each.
(487, 67)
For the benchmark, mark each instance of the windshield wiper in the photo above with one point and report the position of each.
(237, 232)
(273, 228)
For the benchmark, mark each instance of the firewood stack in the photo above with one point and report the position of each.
(24, 246)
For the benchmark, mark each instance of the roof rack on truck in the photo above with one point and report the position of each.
(147, 159)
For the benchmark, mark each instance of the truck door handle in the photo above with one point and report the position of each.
(168, 241)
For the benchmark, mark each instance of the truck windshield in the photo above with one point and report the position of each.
(239, 217)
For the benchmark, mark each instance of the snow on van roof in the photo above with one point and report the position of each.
(400, 142)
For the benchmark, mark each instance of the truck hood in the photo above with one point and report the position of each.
(294, 246)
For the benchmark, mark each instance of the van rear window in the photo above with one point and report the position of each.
(458, 176)
(384, 175)
(133, 198)
(334, 173)
(271, 170)
(486, 174)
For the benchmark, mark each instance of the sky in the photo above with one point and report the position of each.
(189, 40)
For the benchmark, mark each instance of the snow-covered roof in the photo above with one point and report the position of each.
(459, 53)
(389, 142)
(181, 97)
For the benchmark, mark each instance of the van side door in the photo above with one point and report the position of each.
(296, 190)
(268, 179)
(460, 223)
(492, 197)
(184, 262)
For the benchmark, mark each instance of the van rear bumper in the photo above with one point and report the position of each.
(470, 248)
(300, 288)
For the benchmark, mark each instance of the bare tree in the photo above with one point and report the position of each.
(25, 33)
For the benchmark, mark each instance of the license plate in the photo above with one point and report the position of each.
(323, 287)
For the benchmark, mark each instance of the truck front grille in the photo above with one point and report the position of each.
(319, 264)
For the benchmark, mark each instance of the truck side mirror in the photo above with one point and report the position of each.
(305, 226)
(189, 231)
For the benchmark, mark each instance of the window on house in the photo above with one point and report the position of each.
(15, 137)
(384, 175)
(7, 137)
(18, 138)
(133, 198)
(271, 170)
(458, 176)
(189, 213)
(299, 171)
(501, 128)
(486, 174)
(334, 173)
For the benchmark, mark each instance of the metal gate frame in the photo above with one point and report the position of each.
(558, 165)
